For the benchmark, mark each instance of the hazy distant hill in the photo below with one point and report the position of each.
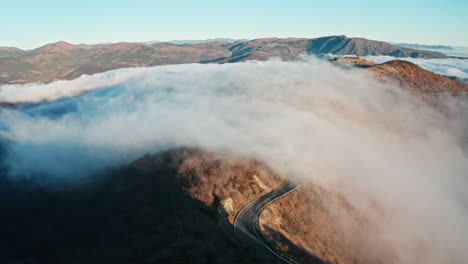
(194, 41)
(421, 46)
(62, 60)
(456, 51)
(10, 51)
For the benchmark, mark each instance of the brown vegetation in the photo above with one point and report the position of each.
(410, 76)
(316, 227)
(406, 75)
(215, 179)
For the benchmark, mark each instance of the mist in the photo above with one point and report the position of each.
(308, 120)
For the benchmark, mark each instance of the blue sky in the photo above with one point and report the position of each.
(29, 24)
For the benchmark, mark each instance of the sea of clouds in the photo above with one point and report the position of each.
(456, 51)
(308, 120)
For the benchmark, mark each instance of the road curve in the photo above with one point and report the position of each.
(246, 221)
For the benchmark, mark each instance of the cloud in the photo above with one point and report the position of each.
(32, 92)
(308, 120)
(448, 67)
(449, 50)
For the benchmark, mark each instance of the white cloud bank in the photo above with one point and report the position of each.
(32, 92)
(306, 119)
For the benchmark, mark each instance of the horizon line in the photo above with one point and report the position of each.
(218, 38)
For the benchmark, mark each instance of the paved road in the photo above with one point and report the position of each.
(246, 221)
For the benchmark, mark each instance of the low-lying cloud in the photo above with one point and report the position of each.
(307, 120)
(18, 93)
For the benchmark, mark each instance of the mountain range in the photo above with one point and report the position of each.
(65, 61)
(194, 41)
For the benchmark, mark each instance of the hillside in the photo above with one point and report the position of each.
(65, 61)
(170, 207)
(324, 224)
(410, 76)
(405, 74)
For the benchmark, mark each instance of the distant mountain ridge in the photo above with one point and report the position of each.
(10, 51)
(422, 46)
(343, 45)
(65, 61)
(194, 41)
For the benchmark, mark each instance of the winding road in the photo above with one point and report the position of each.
(246, 221)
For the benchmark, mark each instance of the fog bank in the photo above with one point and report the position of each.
(379, 146)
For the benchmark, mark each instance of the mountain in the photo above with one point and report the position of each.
(62, 60)
(290, 48)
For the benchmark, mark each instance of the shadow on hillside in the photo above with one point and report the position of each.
(129, 215)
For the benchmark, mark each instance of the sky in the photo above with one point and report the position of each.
(31, 23)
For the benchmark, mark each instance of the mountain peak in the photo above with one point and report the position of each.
(59, 46)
